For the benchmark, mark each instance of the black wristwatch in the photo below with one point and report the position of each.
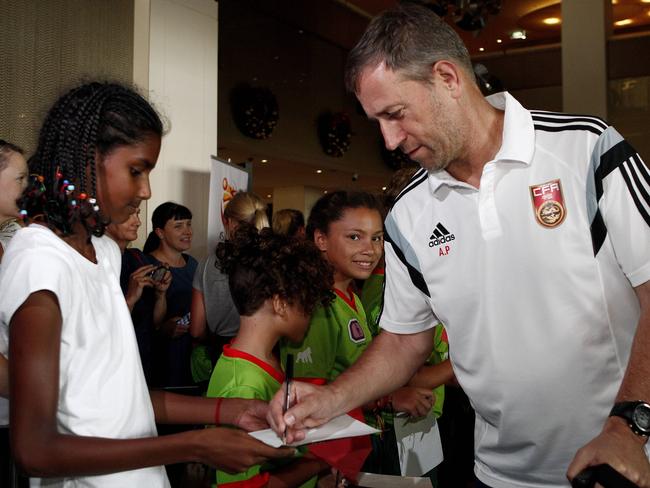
(637, 415)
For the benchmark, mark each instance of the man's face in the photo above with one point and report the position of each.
(421, 118)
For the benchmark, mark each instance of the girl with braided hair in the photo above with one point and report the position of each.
(81, 413)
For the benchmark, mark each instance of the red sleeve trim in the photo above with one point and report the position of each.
(378, 271)
(258, 481)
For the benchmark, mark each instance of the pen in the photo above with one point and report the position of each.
(288, 379)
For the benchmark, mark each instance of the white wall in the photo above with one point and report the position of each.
(182, 85)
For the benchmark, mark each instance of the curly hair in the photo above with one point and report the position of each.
(329, 208)
(261, 264)
(88, 121)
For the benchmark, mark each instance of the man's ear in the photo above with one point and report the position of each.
(449, 74)
(320, 239)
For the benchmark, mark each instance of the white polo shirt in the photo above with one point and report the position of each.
(532, 275)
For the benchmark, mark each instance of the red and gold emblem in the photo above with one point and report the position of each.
(548, 203)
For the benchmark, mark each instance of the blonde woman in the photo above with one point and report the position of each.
(215, 320)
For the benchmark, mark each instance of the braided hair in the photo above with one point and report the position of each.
(262, 264)
(88, 121)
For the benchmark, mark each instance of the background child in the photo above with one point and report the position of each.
(215, 320)
(13, 180)
(347, 228)
(81, 413)
(275, 282)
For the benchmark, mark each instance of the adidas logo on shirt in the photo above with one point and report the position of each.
(440, 235)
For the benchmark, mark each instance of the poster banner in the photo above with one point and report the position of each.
(226, 180)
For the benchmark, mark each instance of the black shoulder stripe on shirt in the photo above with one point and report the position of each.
(417, 179)
(570, 120)
(563, 128)
(611, 159)
(558, 116)
(416, 276)
(641, 168)
(622, 156)
(598, 232)
(635, 196)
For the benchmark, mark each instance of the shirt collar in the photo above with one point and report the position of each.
(517, 144)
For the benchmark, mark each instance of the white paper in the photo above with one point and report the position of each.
(371, 480)
(337, 428)
(418, 444)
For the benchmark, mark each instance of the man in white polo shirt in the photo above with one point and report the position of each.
(527, 234)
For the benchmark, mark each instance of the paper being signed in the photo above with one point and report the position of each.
(337, 428)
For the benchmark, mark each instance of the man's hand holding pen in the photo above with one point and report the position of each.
(308, 406)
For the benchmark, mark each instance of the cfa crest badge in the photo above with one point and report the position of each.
(548, 203)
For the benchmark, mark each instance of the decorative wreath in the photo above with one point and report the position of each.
(334, 133)
(254, 110)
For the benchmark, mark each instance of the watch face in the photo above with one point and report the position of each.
(641, 417)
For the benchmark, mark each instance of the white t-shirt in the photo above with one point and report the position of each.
(532, 275)
(102, 390)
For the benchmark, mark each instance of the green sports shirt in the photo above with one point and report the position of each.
(372, 294)
(242, 375)
(336, 337)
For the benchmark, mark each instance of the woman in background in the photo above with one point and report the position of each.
(289, 222)
(165, 246)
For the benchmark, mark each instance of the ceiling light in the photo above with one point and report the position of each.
(499, 41)
(623, 22)
(518, 34)
(481, 49)
(383, 188)
(264, 161)
(551, 20)
(645, 1)
(319, 171)
(268, 196)
(325, 192)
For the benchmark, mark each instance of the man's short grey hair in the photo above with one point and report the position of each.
(409, 38)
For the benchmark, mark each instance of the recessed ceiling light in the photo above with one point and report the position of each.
(268, 196)
(623, 22)
(518, 34)
(264, 161)
(481, 49)
(325, 192)
(645, 1)
(499, 41)
(319, 171)
(551, 20)
(383, 188)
